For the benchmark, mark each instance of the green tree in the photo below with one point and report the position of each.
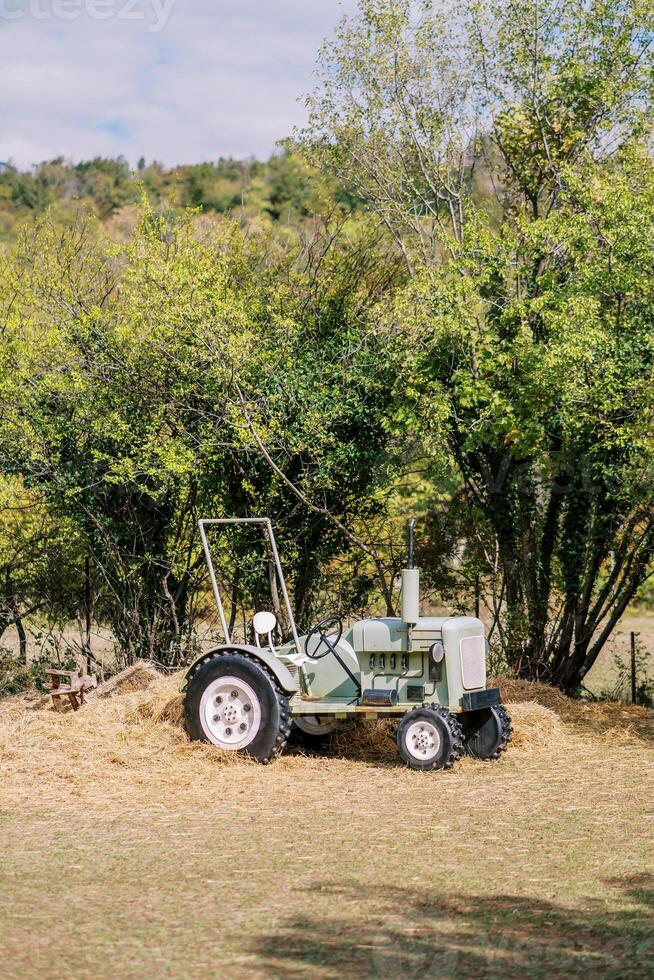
(41, 562)
(503, 148)
(193, 370)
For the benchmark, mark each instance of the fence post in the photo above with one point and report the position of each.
(633, 667)
(88, 612)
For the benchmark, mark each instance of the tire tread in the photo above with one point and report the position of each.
(282, 700)
(451, 723)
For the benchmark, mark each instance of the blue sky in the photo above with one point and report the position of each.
(173, 80)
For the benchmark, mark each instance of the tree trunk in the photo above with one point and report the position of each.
(5, 623)
(18, 623)
(149, 621)
(22, 639)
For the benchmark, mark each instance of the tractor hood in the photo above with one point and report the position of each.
(462, 638)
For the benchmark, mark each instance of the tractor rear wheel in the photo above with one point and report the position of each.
(234, 702)
(429, 737)
(487, 732)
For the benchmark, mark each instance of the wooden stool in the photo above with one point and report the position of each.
(78, 684)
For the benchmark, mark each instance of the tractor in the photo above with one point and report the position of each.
(429, 672)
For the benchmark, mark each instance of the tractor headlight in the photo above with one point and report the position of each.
(437, 651)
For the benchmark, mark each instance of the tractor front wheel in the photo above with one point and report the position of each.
(487, 732)
(235, 703)
(429, 737)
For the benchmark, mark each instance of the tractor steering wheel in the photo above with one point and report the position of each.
(320, 629)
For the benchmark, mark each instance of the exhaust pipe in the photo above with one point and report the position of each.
(410, 524)
(410, 585)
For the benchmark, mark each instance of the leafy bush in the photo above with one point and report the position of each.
(16, 676)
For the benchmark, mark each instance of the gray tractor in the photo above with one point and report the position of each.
(429, 672)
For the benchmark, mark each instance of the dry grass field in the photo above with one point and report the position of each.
(129, 852)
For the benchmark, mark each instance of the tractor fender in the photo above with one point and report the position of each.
(282, 674)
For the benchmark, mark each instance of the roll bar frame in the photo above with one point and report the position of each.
(268, 530)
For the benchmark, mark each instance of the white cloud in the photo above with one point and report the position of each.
(222, 78)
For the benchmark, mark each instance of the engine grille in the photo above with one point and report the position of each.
(473, 662)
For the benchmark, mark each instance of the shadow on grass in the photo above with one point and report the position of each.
(372, 742)
(406, 933)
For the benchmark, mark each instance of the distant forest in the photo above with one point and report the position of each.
(282, 190)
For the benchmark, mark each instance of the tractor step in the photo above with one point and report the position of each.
(346, 709)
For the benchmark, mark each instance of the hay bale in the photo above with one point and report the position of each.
(602, 717)
(110, 749)
(163, 701)
(366, 741)
(137, 677)
(133, 737)
(535, 727)
(612, 718)
(519, 692)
